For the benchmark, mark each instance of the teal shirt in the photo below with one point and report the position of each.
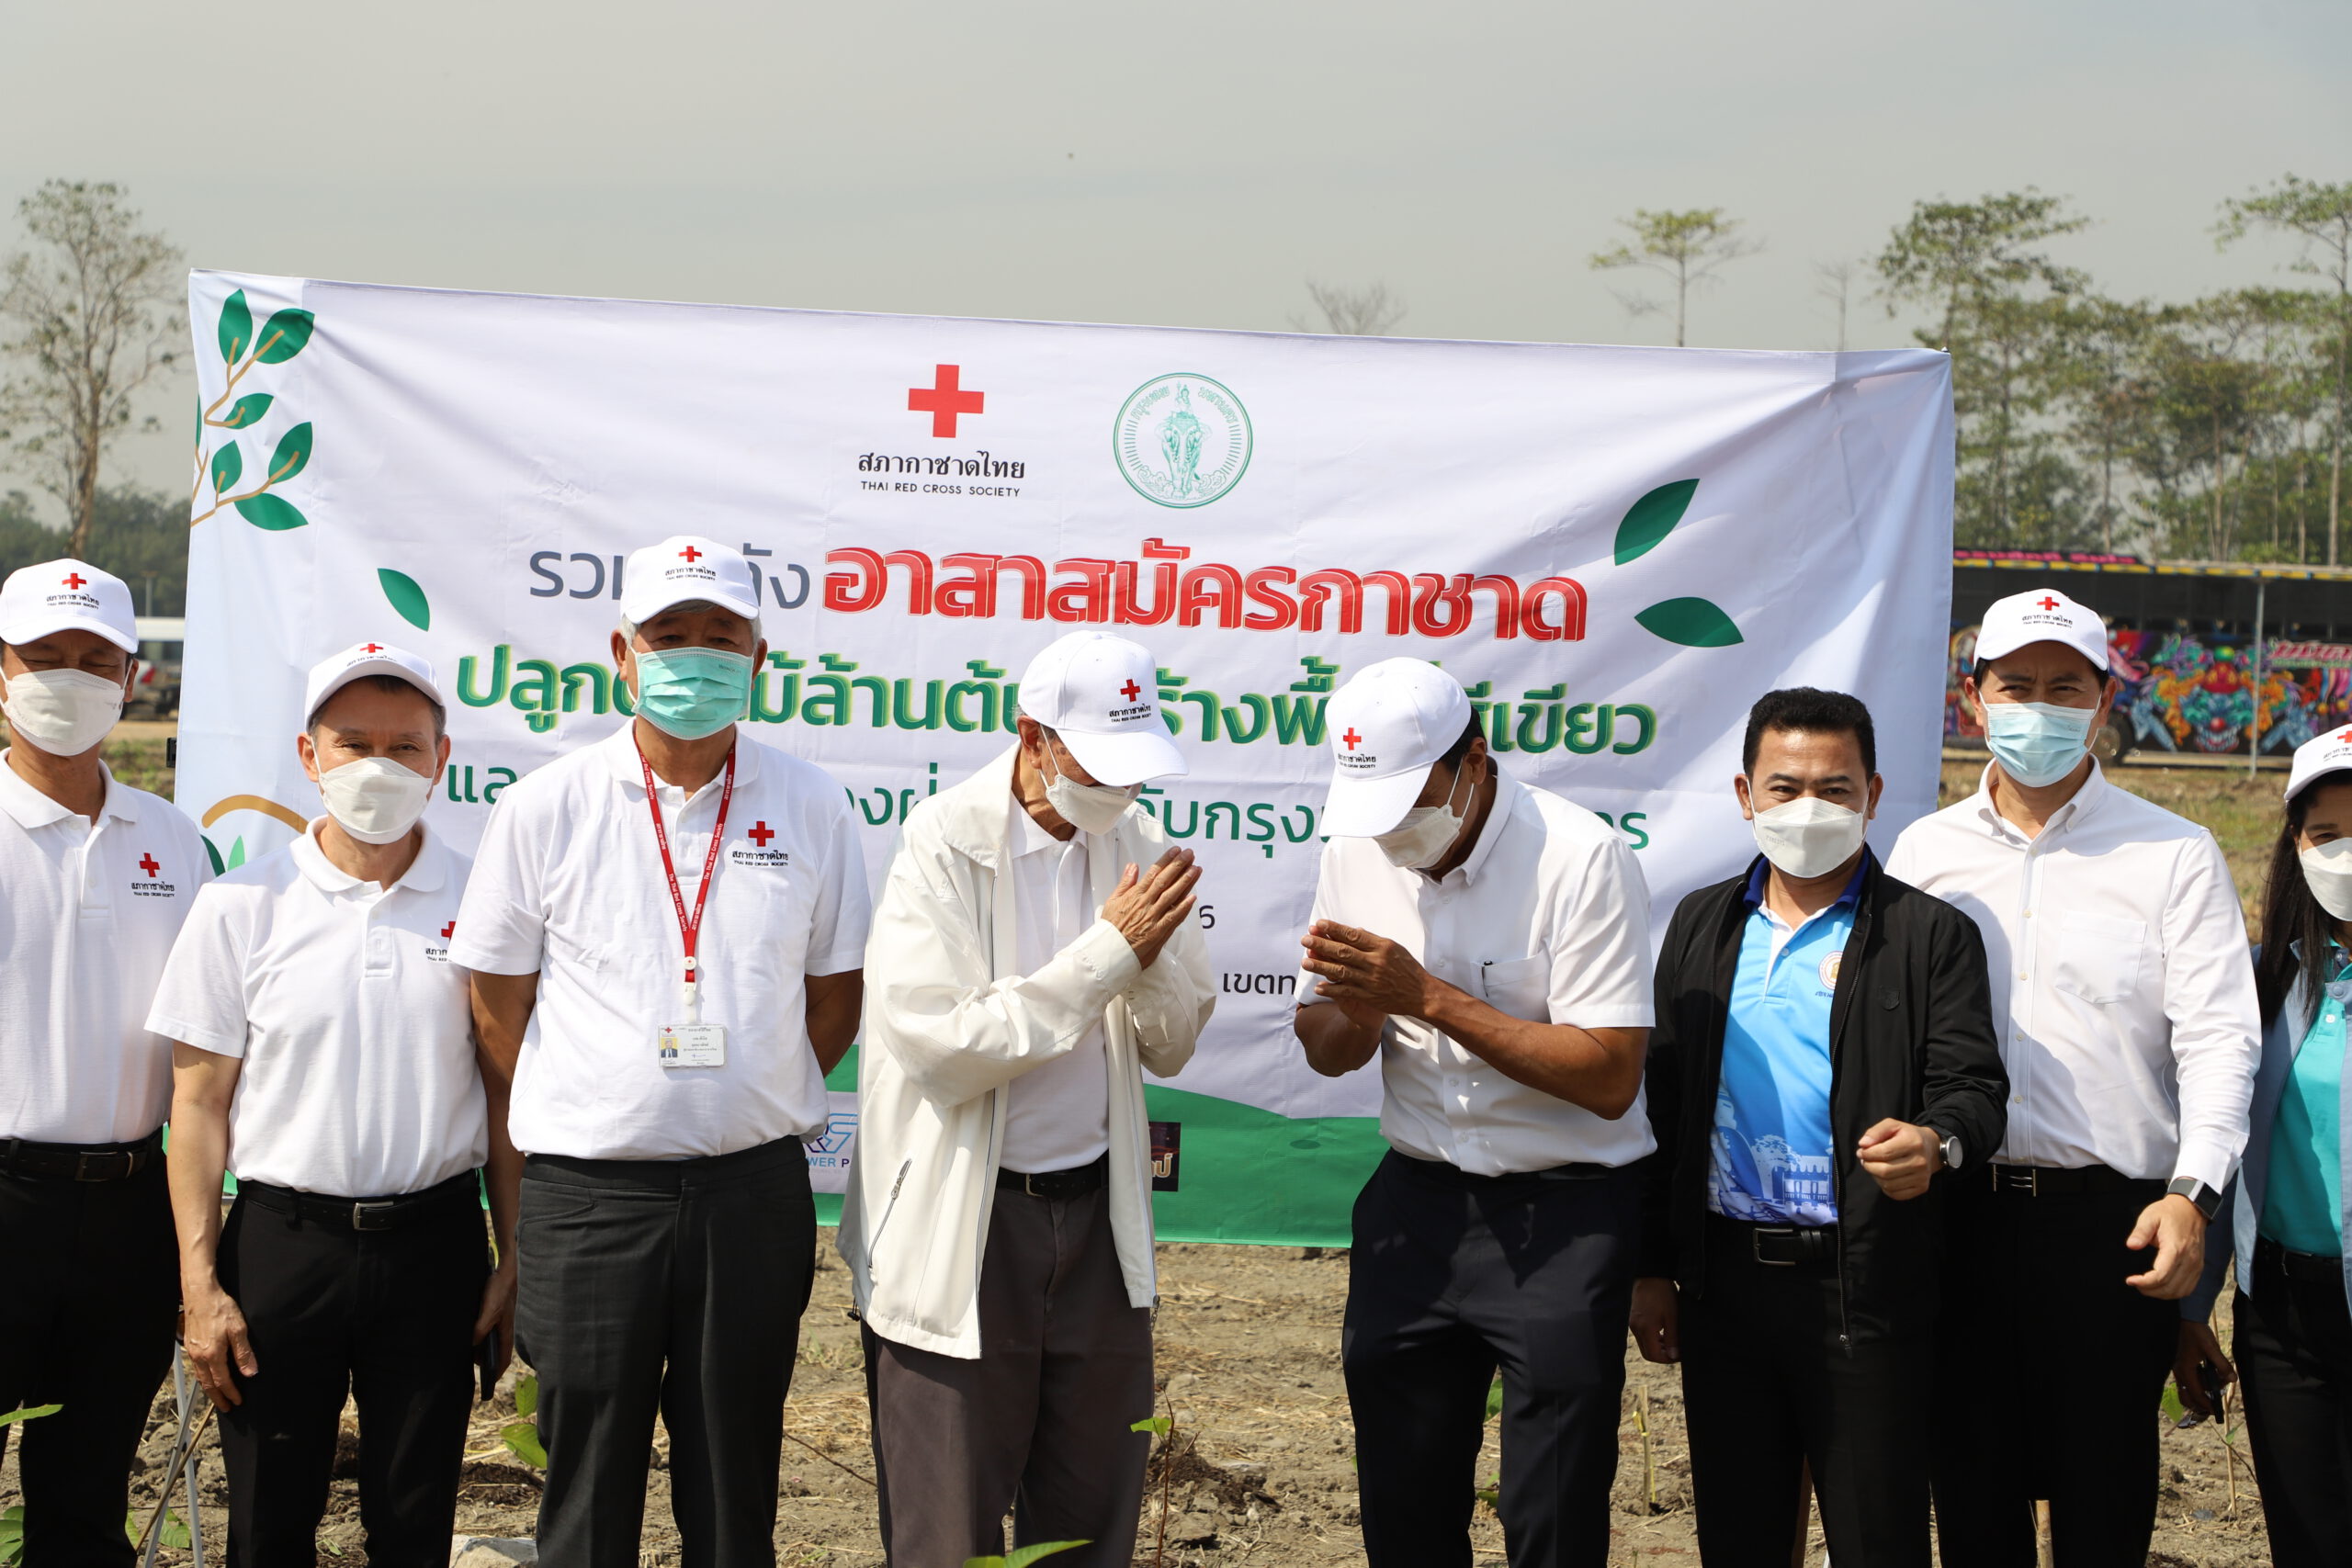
(2302, 1208)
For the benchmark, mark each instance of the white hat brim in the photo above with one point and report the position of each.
(725, 596)
(374, 667)
(1138, 755)
(1998, 646)
(32, 628)
(1365, 808)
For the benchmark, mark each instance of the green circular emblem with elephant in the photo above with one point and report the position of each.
(1182, 440)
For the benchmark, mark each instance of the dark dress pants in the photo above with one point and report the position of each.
(2292, 1343)
(89, 1297)
(1041, 1422)
(1768, 1389)
(1451, 1278)
(383, 1317)
(2049, 1372)
(669, 1285)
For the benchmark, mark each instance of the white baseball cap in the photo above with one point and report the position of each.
(1101, 694)
(2042, 615)
(66, 595)
(336, 672)
(688, 567)
(1389, 726)
(2322, 754)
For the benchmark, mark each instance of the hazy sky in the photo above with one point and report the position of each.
(1175, 162)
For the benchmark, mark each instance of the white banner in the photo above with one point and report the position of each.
(1618, 549)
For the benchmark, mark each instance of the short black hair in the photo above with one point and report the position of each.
(1460, 748)
(1811, 711)
(386, 682)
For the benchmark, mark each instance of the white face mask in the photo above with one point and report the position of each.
(62, 712)
(1421, 839)
(1090, 808)
(1809, 836)
(2328, 872)
(375, 799)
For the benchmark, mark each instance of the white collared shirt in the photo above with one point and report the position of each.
(567, 885)
(87, 916)
(2122, 987)
(1548, 920)
(353, 1028)
(1058, 1115)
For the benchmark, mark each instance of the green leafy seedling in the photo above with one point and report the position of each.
(174, 1533)
(1023, 1556)
(522, 1437)
(29, 1413)
(11, 1536)
(1495, 1399)
(1156, 1425)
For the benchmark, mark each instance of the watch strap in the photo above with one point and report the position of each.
(2207, 1200)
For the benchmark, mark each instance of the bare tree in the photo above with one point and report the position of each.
(1354, 313)
(1685, 247)
(94, 312)
(1833, 281)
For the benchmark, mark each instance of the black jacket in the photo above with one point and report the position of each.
(1910, 1036)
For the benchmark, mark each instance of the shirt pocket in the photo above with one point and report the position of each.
(1519, 986)
(2099, 956)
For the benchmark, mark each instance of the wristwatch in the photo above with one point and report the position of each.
(1950, 1149)
(2207, 1201)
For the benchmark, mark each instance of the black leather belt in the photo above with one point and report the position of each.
(1785, 1246)
(366, 1214)
(1058, 1184)
(81, 1162)
(2303, 1268)
(2067, 1182)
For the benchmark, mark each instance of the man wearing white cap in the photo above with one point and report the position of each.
(1489, 943)
(664, 930)
(324, 1052)
(1033, 953)
(2124, 1001)
(95, 880)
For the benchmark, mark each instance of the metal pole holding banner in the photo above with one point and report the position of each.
(2254, 730)
(183, 1462)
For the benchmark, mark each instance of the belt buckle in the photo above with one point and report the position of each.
(366, 1216)
(82, 1172)
(1756, 1244)
(2031, 1184)
(1029, 1184)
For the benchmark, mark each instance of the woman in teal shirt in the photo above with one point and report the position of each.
(2285, 1214)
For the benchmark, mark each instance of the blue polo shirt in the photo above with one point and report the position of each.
(2302, 1208)
(1772, 1159)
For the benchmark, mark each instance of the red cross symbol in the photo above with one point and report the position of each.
(690, 555)
(1351, 740)
(2347, 734)
(943, 399)
(1131, 690)
(373, 648)
(760, 834)
(74, 579)
(448, 930)
(147, 864)
(2047, 602)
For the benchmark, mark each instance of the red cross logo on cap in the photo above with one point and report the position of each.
(448, 930)
(944, 399)
(1131, 690)
(373, 648)
(690, 555)
(1351, 740)
(2346, 736)
(147, 864)
(761, 833)
(2047, 602)
(74, 579)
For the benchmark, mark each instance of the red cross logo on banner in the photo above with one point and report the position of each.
(2047, 602)
(448, 930)
(944, 399)
(74, 579)
(373, 648)
(760, 834)
(147, 864)
(1131, 690)
(690, 555)
(1351, 740)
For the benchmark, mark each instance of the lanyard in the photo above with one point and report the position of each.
(689, 927)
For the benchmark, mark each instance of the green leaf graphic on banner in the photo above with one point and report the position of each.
(1652, 518)
(283, 335)
(248, 409)
(1693, 623)
(236, 332)
(213, 850)
(228, 464)
(236, 854)
(268, 512)
(293, 455)
(406, 597)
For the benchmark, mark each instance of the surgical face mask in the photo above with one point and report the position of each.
(2328, 872)
(1421, 839)
(1090, 808)
(2037, 743)
(692, 692)
(1809, 836)
(62, 712)
(375, 799)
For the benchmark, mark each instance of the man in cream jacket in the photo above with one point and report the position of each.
(1035, 950)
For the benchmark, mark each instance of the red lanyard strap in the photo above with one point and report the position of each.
(689, 928)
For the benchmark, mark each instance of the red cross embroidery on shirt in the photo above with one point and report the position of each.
(1131, 690)
(448, 930)
(944, 399)
(690, 555)
(760, 834)
(2047, 602)
(147, 864)
(74, 579)
(1351, 740)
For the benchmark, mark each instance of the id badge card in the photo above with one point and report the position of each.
(692, 1045)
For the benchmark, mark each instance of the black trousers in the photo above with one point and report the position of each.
(89, 1298)
(385, 1317)
(1455, 1276)
(1767, 1389)
(2037, 1317)
(669, 1285)
(2292, 1343)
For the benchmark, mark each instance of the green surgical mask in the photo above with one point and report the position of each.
(692, 692)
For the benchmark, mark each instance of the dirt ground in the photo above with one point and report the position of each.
(1249, 1342)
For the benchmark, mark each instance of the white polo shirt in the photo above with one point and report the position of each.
(1057, 1116)
(87, 916)
(567, 885)
(353, 1027)
(1548, 921)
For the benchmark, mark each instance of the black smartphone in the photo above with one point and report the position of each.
(486, 1357)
